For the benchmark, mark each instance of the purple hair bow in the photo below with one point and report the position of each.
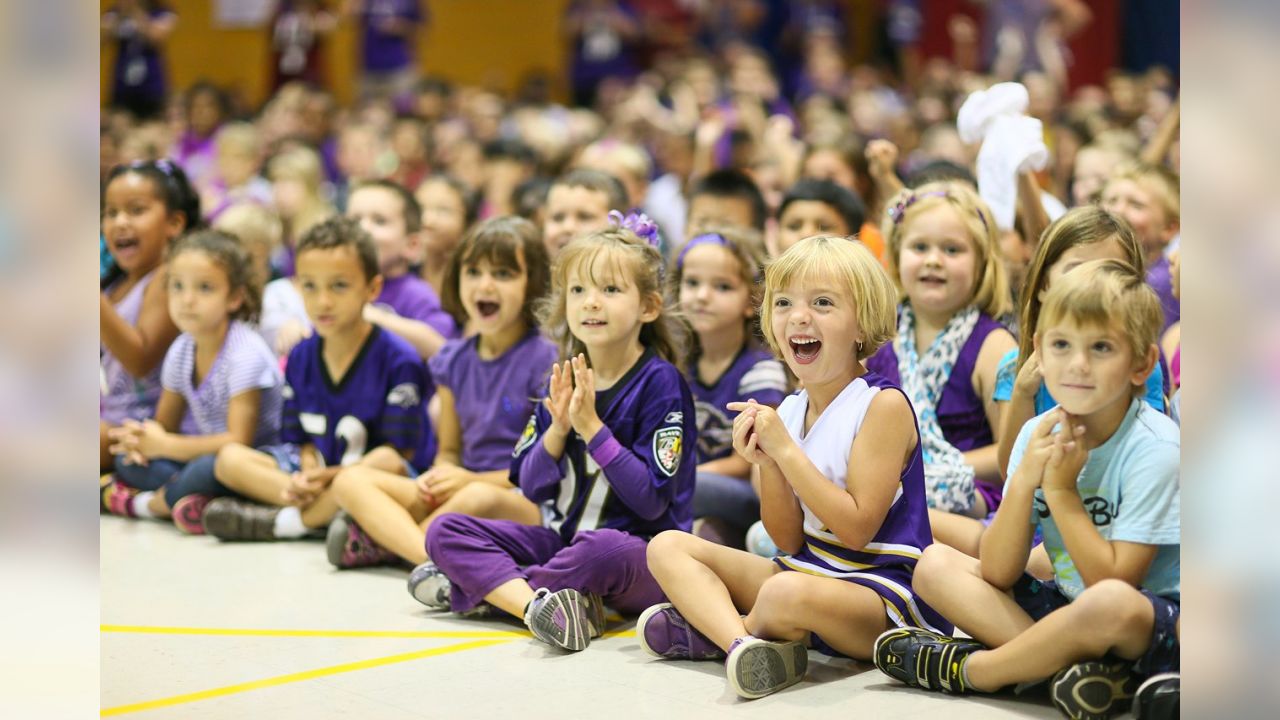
(638, 223)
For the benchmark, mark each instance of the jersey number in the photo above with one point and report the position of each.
(351, 430)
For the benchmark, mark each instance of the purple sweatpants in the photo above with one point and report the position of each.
(479, 555)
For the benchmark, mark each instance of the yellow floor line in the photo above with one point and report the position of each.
(411, 634)
(243, 632)
(296, 677)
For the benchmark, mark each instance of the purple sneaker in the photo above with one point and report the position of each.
(565, 618)
(664, 633)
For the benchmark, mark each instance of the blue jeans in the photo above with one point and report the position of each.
(729, 499)
(177, 479)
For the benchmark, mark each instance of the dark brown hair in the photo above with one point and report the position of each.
(502, 241)
(226, 251)
(339, 232)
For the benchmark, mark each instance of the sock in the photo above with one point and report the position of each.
(289, 523)
(964, 673)
(140, 504)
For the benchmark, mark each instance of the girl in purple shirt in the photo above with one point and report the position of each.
(718, 274)
(487, 385)
(945, 260)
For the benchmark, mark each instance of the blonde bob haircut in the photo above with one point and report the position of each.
(628, 261)
(875, 300)
(991, 290)
(1106, 293)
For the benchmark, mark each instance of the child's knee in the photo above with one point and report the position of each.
(347, 483)
(1111, 606)
(665, 545)
(936, 565)
(473, 499)
(781, 598)
(229, 458)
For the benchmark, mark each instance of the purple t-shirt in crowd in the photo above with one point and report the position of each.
(412, 297)
(1160, 278)
(493, 398)
(380, 51)
(379, 401)
(139, 71)
(755, 373)
(243, 363)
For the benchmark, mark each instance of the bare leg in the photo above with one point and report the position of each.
(388, 508)
(385, 459)
(951, 582)
(251, 473)
(511, 596)
(483, 500)
(960, 532)
(709, 584)
(1110, 616)
(158, 506)
(790, 605)
(321, 510)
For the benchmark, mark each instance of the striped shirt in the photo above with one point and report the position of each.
(244, 363)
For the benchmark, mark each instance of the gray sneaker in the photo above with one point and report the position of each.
(228, 518)
(761, 667)
(430, 587)
(566, 618)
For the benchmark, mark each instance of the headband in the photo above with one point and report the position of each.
(704, 239)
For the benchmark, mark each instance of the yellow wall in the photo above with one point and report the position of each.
(468, 41)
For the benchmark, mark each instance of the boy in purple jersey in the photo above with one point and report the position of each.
(353, 395)
(407, 305)
(717, 274)
(608, 455)
(487, 385)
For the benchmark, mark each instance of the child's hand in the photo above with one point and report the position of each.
(882, 158)
(709, 132)
(1038, 452)
(152, 438)
(124, 441)
(559, 396)
(440, 482)
(745, 440)
(582, 405)
(771, 435)
(1027, 384)
(290, 333)
(1067, 457)
(304, 487)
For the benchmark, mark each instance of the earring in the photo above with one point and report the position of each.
(859, 347)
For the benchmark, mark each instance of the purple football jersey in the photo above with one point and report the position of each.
(754, 374)
(636, 475)
(493, 398)
(378, 402)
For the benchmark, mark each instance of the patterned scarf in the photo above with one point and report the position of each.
(948, 478)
